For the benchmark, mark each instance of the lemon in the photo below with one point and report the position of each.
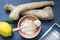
(5, 29)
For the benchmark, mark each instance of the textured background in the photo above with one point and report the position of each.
(4, 15)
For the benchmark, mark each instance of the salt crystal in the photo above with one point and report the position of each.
(37, 23)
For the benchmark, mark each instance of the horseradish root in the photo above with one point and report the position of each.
(43, 14)
(16, 10)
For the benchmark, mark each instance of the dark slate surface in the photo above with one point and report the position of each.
(45, 24)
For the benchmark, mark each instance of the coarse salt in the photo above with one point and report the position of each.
(37, 23)
(27, 27)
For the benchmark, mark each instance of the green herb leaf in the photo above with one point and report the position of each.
(9, 21)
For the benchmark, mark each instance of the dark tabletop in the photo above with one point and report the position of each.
(4, 15)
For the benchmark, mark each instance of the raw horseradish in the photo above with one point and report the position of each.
(29, 26)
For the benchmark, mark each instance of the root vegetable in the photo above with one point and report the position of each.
(43, 14)
(16, 10)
